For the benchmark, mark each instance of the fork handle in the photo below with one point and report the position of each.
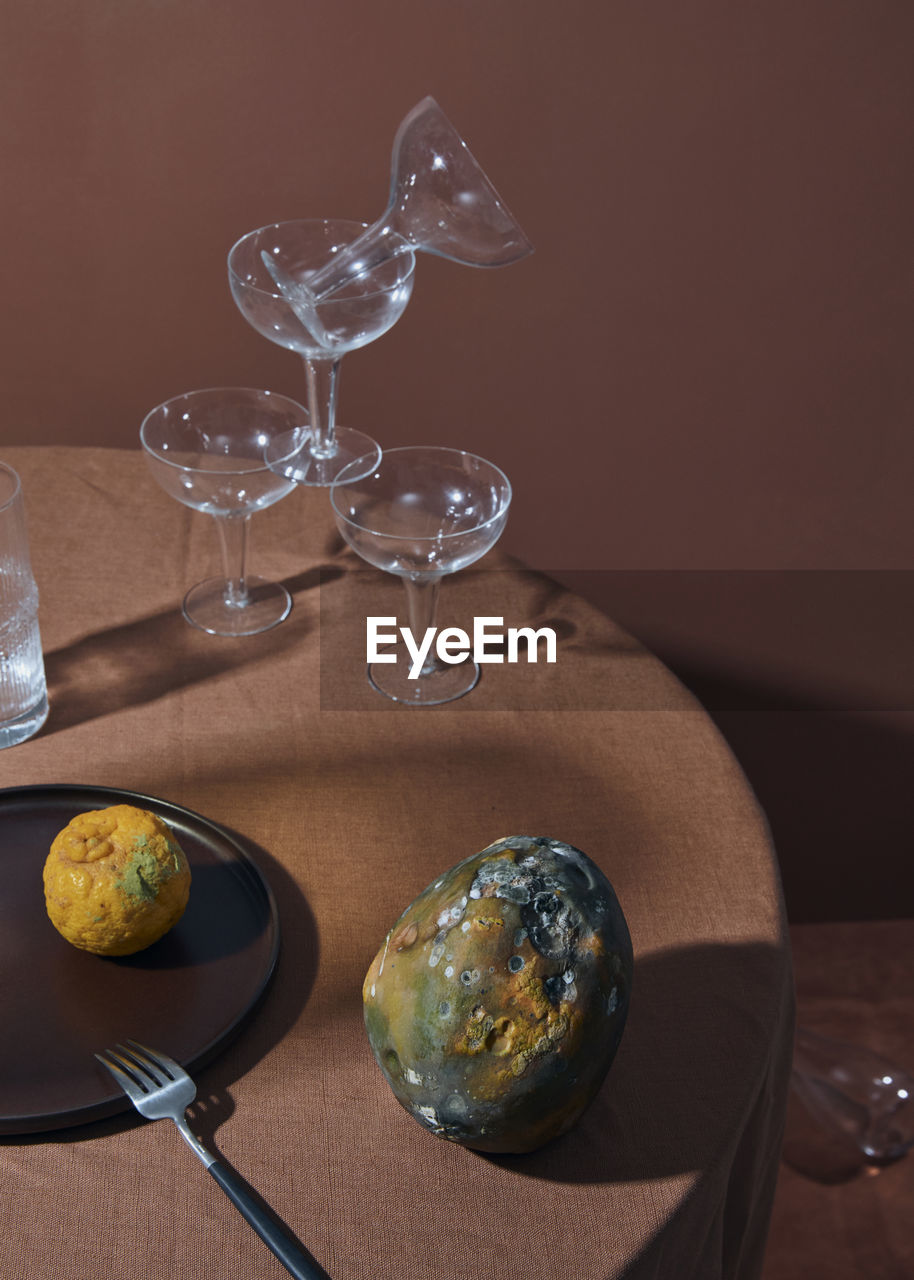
(271, 1232)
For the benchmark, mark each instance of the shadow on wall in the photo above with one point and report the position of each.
(810, 677)
(836, 791)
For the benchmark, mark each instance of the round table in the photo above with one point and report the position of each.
(351, 805)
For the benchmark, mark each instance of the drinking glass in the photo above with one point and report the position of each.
(208, 449)
(440, 201)
(855, 1093)
(23, 691)
(267, 270)
(422, 513)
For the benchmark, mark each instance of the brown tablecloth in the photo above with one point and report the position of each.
(353, 805)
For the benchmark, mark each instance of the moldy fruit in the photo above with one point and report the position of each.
(497, 1001)
(115, 880)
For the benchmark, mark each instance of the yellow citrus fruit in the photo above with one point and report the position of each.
(115, 880)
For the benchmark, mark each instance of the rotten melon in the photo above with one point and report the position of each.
(497, 1001)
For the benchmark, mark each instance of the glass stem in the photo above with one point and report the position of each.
(323, 384)
(233, 538)
(375, 245)
(422, 606)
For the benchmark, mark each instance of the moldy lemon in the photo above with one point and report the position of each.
(115, 880)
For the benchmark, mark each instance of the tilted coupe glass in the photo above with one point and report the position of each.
(208, 449)
(422, 513)
(267, 270)
(440, 201)
(322, 288)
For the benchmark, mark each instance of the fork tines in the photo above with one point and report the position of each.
(138, 1069)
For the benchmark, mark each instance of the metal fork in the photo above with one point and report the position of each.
(162, 1090)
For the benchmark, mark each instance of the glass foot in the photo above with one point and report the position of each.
(303, 467)
(444, 684)
(267, 605)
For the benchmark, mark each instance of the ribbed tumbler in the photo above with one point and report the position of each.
(23, 691)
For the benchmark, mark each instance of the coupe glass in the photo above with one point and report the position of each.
(208, 449)
(440, 202)
(267, 270)
(421, 513)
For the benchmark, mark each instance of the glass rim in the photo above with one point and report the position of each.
(409, 252)
(339, 483)
(17, 486)
(162, 456)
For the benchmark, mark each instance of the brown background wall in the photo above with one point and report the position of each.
(705, 366)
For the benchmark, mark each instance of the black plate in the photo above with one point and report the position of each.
(187, 995)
